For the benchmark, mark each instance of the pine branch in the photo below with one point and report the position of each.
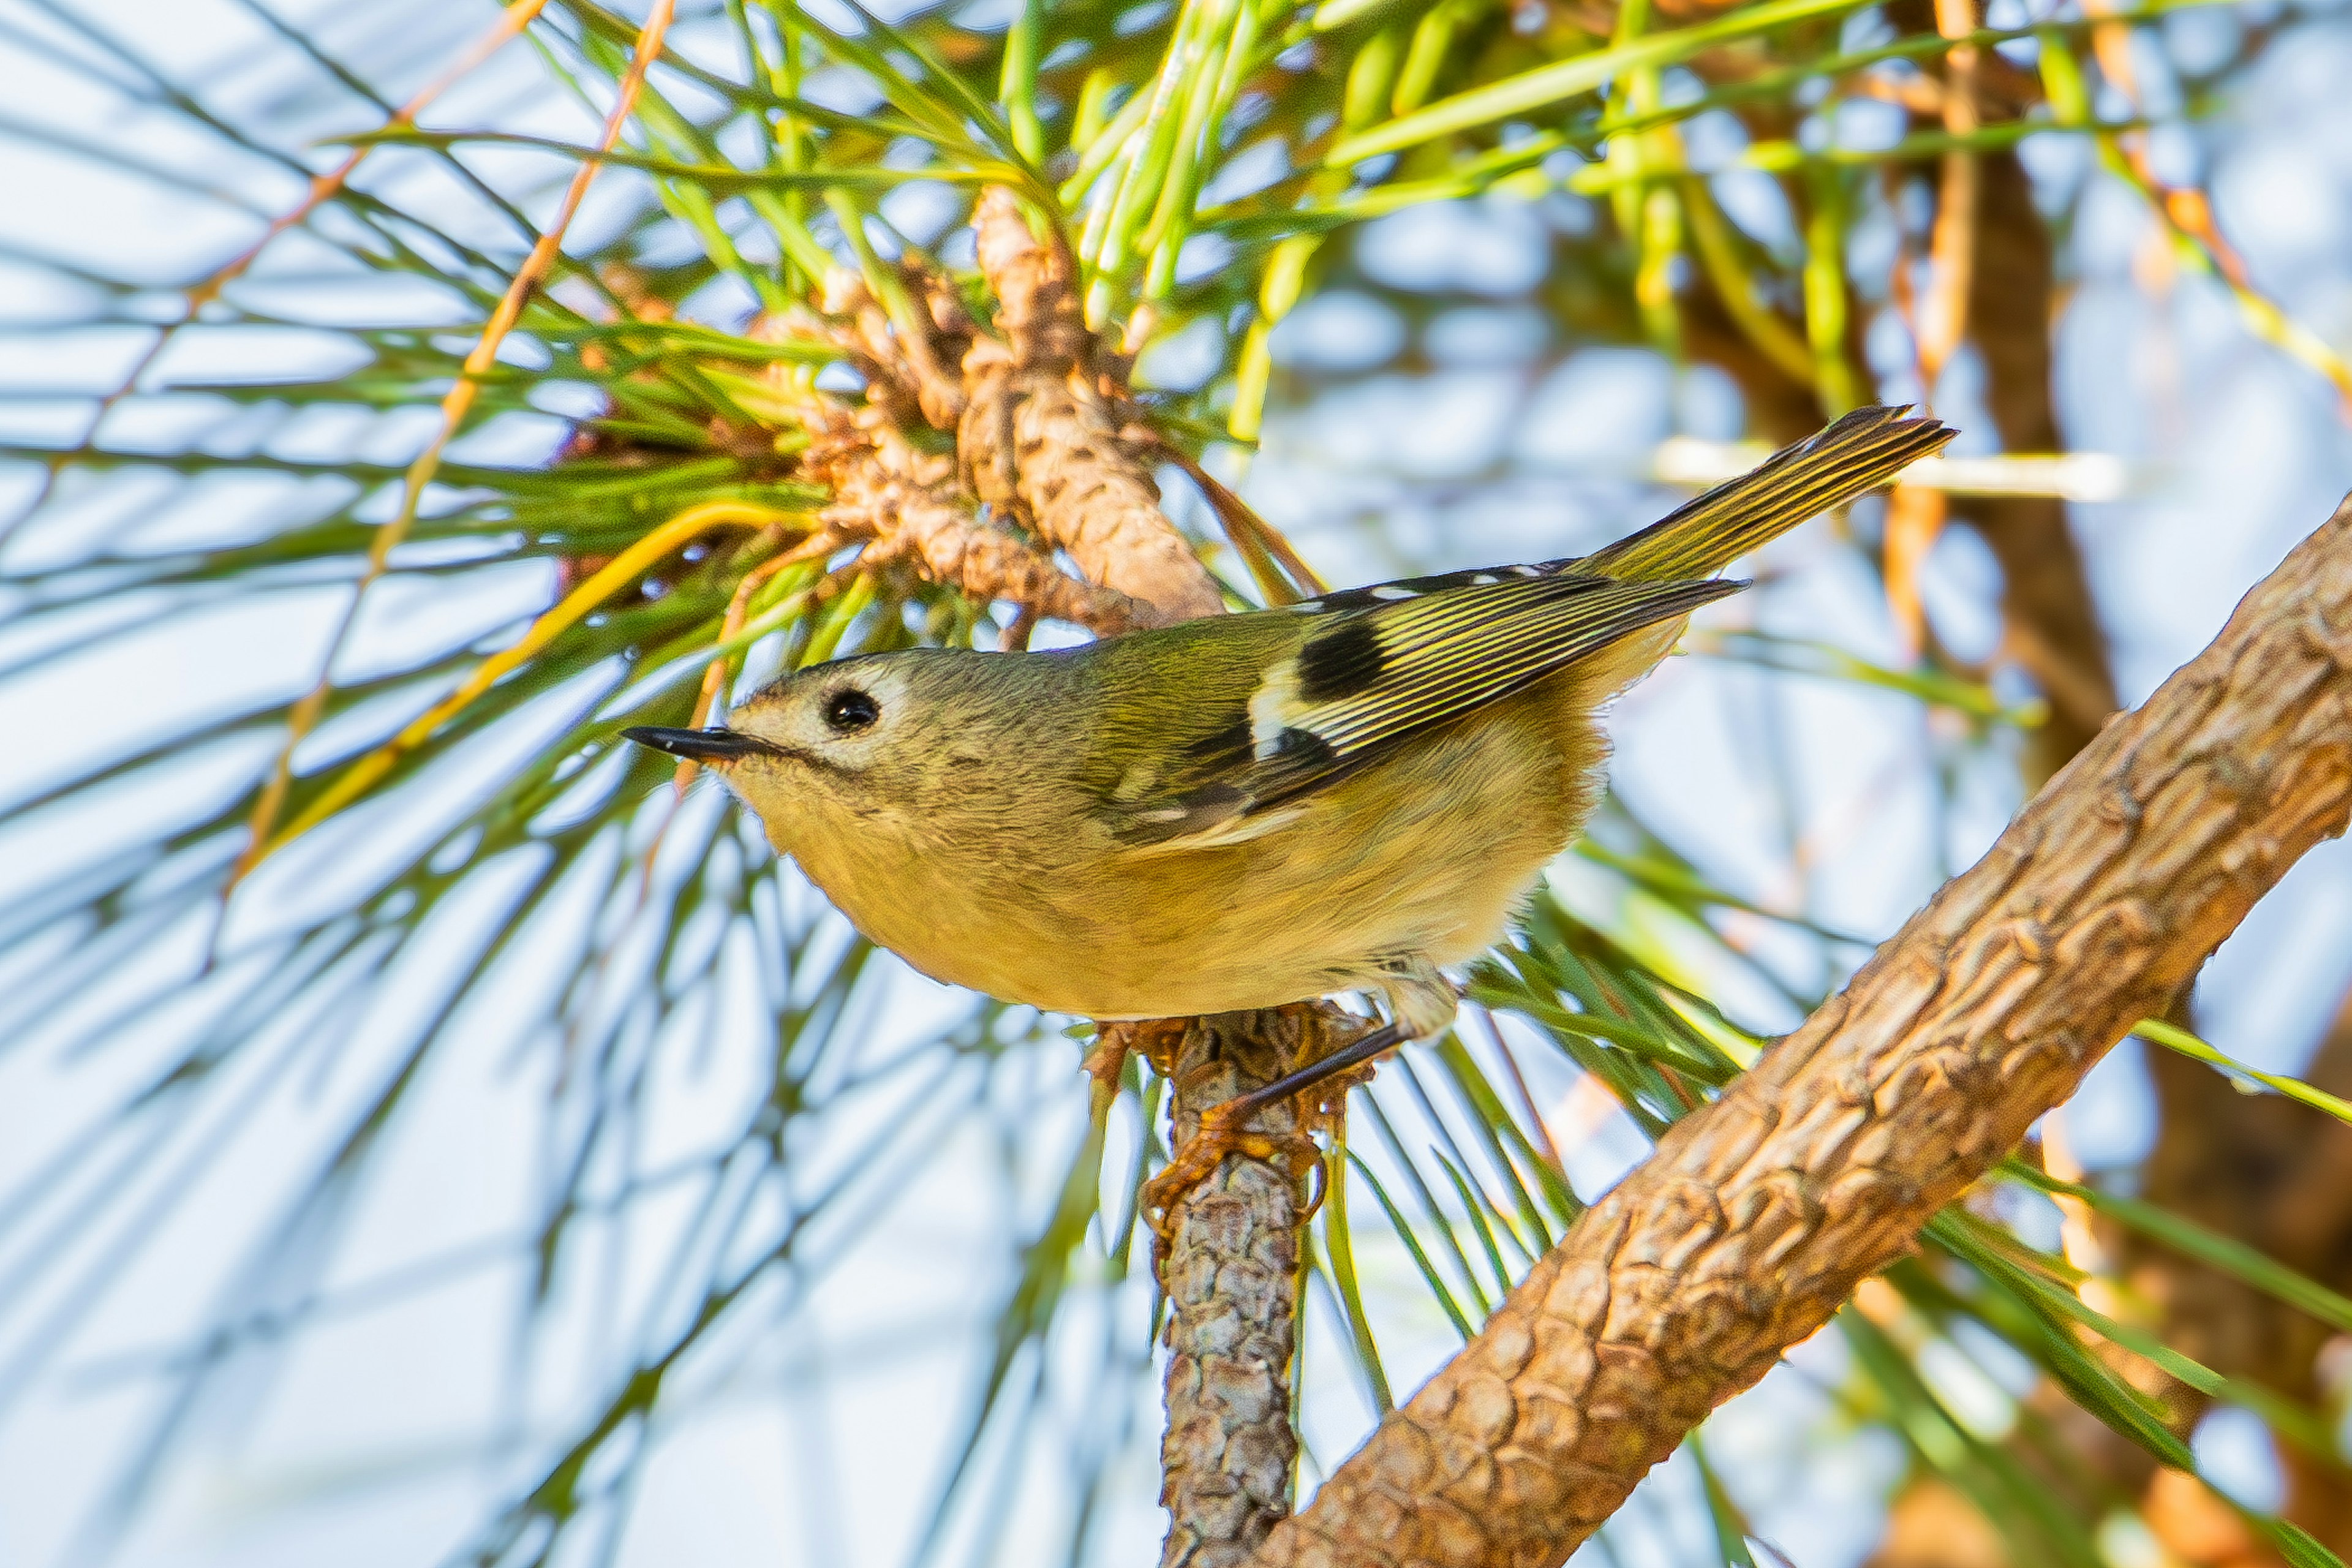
(1042, 434)
(1759, 1214)
(1231, 1278)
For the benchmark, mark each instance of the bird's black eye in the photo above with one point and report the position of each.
(849, 710)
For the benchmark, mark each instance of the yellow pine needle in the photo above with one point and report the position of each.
(616, 575)
(323, 186)
(1718, 254)
(2185, 211)
(715, 675)
(304, 715)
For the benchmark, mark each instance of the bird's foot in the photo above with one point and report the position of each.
(1224, 1130)
(1156, 1040)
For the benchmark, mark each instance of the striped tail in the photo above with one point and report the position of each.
(1860, 451)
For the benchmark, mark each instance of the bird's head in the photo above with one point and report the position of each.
(862, 741)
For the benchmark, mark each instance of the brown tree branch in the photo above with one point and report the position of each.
(2051, 628)
(1760, 1213)
(1040, 436)
(1226, 1454)
(1046, 438)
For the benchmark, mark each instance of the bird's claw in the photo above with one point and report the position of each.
(1223, 1131)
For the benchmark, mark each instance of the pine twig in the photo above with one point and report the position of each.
(1226, 1454)
(1041, 437)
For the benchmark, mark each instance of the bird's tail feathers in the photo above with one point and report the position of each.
(1859, 452)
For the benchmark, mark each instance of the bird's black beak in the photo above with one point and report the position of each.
(714, 746)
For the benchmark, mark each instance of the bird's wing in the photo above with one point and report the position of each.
(1395, 660)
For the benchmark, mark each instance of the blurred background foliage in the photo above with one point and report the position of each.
(430, 1129)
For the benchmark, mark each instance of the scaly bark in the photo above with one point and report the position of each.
(1760, 1213)
(906, 502)
(2050, 625)
(1041, 434)
(1231, 1277)
(1045, 437)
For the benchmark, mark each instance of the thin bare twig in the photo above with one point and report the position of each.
(1227, 1450)
(323, 188)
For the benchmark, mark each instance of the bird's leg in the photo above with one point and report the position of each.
(1229, 1116)
(1224, 1128)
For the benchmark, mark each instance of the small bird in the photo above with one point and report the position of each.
(1243, 811)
